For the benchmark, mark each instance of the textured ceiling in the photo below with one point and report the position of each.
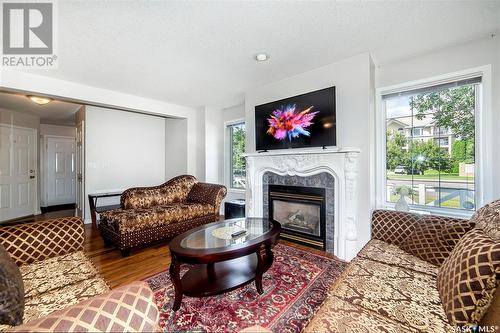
(201, 53)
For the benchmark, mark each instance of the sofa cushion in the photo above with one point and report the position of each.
(39, 240)
(11, 290)
(130, 220)
(393, 226)
(130, 308)
(402, 295)
(383, 252)
(175, 190)
(468, 278)
(42, 276)
(434, 237)
(56, 283)
(42, 304)
(488, 219)
(337, 315)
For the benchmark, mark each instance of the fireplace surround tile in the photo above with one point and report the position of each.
(320, 180)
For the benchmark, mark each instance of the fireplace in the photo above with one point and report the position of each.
(301, 212)
(334, 170)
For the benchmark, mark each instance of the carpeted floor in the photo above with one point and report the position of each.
(294, 288)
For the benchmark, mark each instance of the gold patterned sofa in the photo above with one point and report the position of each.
(149, 214)
(419, 274)
(63, 291)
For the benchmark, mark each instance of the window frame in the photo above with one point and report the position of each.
(483, 135)
(228, 154)
(421, 130)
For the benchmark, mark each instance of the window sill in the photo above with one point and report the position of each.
(434, 211)
(236, 190)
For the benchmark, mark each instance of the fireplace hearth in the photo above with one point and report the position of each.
(301, 212)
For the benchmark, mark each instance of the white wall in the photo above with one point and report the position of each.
(20, 119)
(354, 96)
(176, 148)
(122, 150)
(214, 140)
(47, 129)
(200, 147)
(451, 59)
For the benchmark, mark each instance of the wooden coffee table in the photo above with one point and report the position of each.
(221, 262)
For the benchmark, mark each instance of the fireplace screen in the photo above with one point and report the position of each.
(297, 216)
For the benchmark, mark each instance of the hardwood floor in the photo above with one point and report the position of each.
(42, 217)
(116, 270)
(142, 262)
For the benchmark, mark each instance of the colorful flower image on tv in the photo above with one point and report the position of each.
(289, 122)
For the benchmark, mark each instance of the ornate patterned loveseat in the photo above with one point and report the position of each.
(149, 214)
(420, 274)
(63, 291)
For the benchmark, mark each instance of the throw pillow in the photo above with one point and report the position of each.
(435, 237)
(203, 193)
(11, 291)
(468, 278)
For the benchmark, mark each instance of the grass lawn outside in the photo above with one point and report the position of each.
(430, 197)
(431, 175)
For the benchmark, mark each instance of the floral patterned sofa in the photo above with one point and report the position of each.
(149, 214)
(419, 274)
(63, 291)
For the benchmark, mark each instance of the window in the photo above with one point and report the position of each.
(237, 165)
(416, 131)
(432, 164)
(442, 142)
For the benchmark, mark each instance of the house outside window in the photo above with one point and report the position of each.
(416, 131)
(434, 159)
(236, 148)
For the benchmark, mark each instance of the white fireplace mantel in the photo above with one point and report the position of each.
(341, 163)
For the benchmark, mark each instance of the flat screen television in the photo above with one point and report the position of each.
(306, 120)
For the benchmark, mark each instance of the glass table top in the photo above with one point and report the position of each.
(219, 235)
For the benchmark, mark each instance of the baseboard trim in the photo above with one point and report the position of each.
(55, 208)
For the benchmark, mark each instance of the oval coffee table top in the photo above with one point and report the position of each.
(215, 240)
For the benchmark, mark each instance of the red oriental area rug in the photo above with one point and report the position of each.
(294, 288)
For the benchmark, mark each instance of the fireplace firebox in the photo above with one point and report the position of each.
(301, 212)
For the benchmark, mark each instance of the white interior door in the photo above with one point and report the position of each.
(18, 186)
(80, 192)
(60, 155)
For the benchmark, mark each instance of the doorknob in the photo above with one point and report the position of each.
(32, 177)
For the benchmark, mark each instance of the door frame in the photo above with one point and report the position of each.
(44, 139)
(36, 202)
(80, 168)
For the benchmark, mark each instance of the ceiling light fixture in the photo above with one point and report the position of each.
(260, 57)
(40, 100)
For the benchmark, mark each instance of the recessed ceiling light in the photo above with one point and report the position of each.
(40, 100)
(261, 57)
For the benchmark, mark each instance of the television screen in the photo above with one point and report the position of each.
(306, 120)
